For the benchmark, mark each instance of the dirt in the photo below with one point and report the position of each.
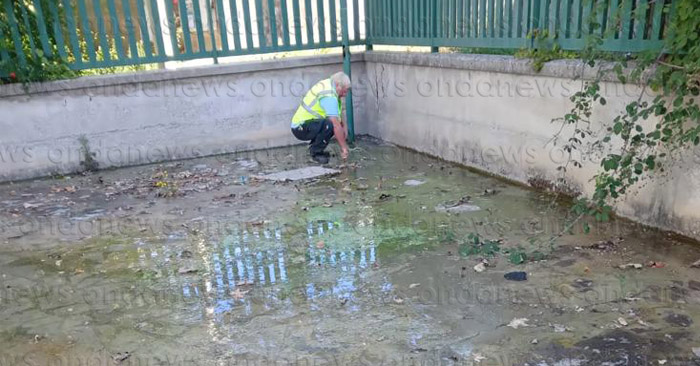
(197, 261)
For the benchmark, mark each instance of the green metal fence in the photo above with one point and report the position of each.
(105, 33)
(623, 25)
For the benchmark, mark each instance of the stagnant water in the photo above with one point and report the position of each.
(197, 262)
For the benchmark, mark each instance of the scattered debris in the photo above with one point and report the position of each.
(490, 192)
(398, 300)
(558, 328)
(299, 174)
(384, 196)
(695, 264)
(656, 264)
(630, 265)
(678, 320)
(413, 285)
(622, 321)
(478, 357)
(462, 205)
(185, 254)
(604, 245)
(120, 357)
(516, 276)
(696, 351)
(535, 341)
(187, 270)
(480, 267)
(320, 244)
(413, 182)
(519, 322)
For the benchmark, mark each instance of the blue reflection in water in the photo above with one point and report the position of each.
(232, 264)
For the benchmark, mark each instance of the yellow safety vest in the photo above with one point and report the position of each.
(310, 107)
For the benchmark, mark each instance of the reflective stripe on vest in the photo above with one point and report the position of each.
(310, 107)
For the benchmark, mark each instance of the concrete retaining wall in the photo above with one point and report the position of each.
(154, 116)
(494, 113)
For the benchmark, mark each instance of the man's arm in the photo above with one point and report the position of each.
(340, 135)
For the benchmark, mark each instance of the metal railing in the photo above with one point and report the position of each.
(106, 33)
(621, 25)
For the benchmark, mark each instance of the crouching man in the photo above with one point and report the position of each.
(318, 118)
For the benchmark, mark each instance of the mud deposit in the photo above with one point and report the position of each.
(197, 262)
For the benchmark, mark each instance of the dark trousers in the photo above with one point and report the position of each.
(317, 131)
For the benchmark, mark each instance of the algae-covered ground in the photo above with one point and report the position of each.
(399, 259)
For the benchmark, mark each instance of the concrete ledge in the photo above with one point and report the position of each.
(168, 75)
(566, 69)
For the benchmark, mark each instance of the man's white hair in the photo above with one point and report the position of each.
(340, 79)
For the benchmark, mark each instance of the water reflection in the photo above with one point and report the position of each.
(251, 271)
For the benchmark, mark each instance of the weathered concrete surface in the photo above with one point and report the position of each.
(494, 113)
(154, 116)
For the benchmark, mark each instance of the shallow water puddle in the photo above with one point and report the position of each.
(358, 268)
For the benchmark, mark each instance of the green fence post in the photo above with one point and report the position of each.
(434, 27)
(369, 24)
(347, 68)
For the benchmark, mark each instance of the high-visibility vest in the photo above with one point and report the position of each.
(310, 107)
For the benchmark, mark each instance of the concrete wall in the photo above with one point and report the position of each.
(494, 113)
(154, 116)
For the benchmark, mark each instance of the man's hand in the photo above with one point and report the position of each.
(339, 132)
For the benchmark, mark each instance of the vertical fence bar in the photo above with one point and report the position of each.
(499, 18)
(334, 22)
(247, 22)
(576, 19)
(28, 34)
(475, 18)
(87, 32)
(321, 22)
(309, 22)
(355, 19)
(199, 28)
(185, 24)
(482, 18)
(626, 19)
(212, 31)
(285, 22)
(261, 23)
(346, 67)
(221, 20)
(14, 30)
(641, 19)
(509, 18)
(144, 27)
(116, 31)
(102, 33)
(656, 21)
(368, 7)
(235, 25)
(126, 7)
(554, 18)
(57, 31)
(519, 18)
(273, 22)
(297, 22)
(433, 25)
(491, 15)
(567, 19)
(158, 29)
(42, 28)
(586, 17)
(72, 32)
(172, 27)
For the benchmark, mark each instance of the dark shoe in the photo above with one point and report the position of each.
(320, 158)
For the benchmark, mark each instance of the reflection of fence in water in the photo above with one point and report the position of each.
(235, 263)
